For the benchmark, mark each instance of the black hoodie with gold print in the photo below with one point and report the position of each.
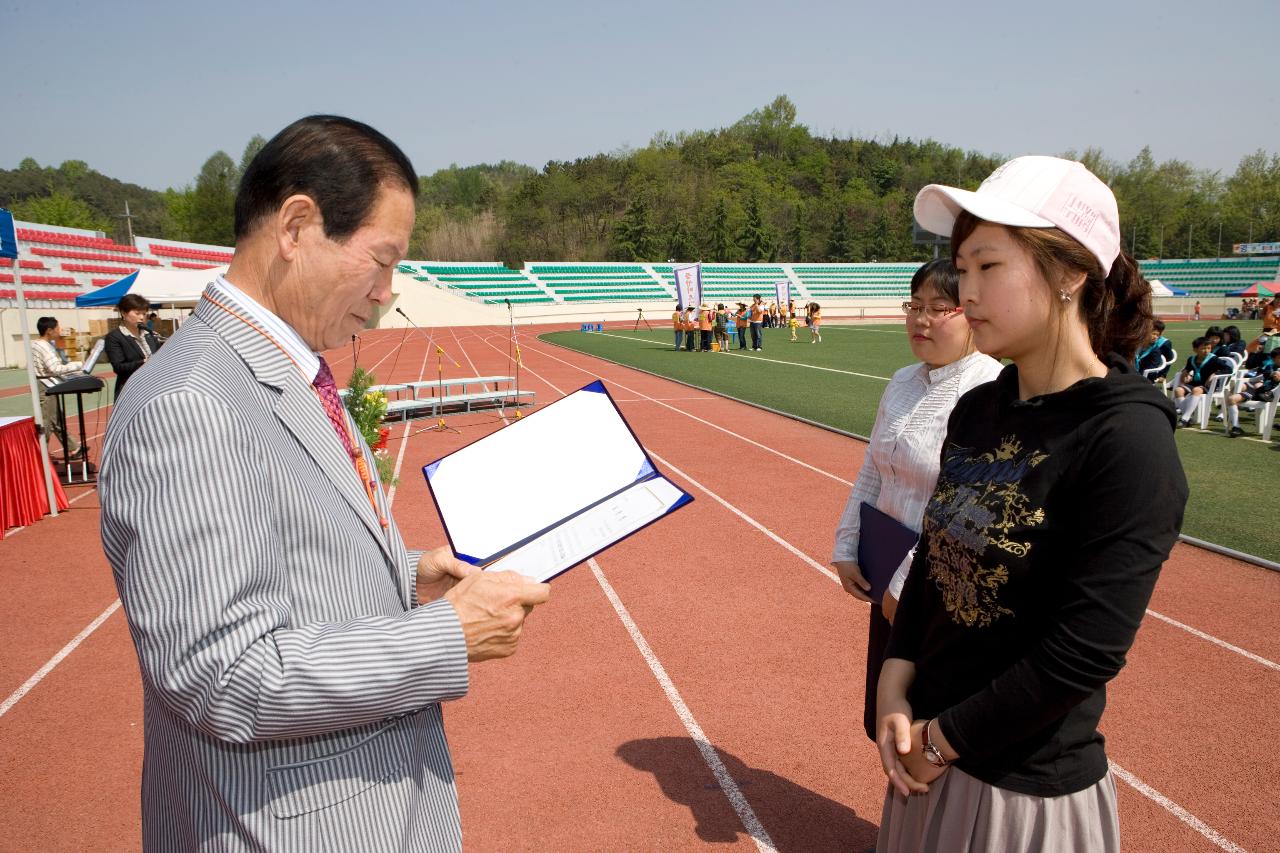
(1040, 548)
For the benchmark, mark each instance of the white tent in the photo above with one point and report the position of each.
(1159, 289)
(160, 287)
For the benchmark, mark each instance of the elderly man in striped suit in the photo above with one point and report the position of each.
(293, 652)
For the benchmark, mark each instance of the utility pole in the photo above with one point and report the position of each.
(1219, 238)
(1160, 250)
(128, 218)
(1189, 229)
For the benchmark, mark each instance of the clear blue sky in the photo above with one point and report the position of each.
(146, 91)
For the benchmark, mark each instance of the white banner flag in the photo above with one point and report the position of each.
(689, 285)
(784, 293)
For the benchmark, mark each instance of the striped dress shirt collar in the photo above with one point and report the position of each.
(280, 331)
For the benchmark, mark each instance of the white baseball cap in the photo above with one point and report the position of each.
(1033, 192)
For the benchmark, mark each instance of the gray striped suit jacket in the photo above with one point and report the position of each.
(290, 682)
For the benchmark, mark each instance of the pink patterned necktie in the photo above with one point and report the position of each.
(328, 391)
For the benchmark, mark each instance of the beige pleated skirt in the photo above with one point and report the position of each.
(962, 815)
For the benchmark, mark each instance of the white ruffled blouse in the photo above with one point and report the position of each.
(900, 466)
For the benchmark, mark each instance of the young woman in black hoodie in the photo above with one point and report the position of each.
(1060, 496)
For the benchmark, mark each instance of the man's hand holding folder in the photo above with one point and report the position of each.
(491, 606)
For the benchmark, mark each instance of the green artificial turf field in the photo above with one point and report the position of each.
(839, 382)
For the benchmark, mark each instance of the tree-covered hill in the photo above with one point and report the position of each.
(765, 188)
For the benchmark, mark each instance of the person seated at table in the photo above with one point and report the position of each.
(1158, 350)
(131, 344)
(52, 363)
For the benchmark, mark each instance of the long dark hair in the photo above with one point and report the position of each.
(1115, 306)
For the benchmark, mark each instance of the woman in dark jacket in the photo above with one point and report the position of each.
(130, 345)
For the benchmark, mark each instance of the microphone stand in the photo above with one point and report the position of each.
(439, 425)
(513, 357)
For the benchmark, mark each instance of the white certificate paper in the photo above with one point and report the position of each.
(545, 493)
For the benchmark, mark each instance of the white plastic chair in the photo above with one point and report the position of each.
(1151, 372)
(1170, 380)
(1214, 393)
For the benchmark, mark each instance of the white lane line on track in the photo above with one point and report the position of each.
(803, 557)
(1176, 810)
(404, 439)
(759, 358)
(728, 786)
(738, 436)
(721, 773)
(57, 659)
(1212, 639)
(1202, 635)
(1173, 808)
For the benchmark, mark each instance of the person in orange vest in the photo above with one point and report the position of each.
(690, 326)
(677, 323)
(757, 320)
(815, 327)
(740, 318)
(704, 327)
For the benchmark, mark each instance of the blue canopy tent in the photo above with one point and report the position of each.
(107, 296)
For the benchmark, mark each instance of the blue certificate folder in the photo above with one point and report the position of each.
(551, 490)
(882, 543)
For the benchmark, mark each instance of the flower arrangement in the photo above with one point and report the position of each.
(367, 409)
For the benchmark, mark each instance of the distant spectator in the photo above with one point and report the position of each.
(720, 328)
(677, 324)
(1195, 312)
(704, 328)
(757, 323)
(741, 318)
(1158, 348)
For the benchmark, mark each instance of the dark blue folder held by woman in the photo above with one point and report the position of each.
(882, 543)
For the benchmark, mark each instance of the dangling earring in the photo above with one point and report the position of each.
(1064, 297)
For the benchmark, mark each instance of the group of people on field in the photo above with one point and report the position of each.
(1217, 351)
(707, 328)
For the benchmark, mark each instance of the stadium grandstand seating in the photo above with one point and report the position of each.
(60, 238)
(845, 281)
(492, 282)
(63, 262)
(7, 278)
(84, 259)
(165, 251)
(598, 282)
(91, 256)
(1210, 277)
(103, 268)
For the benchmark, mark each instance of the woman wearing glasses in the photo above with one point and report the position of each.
(900, 465)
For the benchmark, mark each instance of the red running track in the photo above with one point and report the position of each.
(718, 625)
